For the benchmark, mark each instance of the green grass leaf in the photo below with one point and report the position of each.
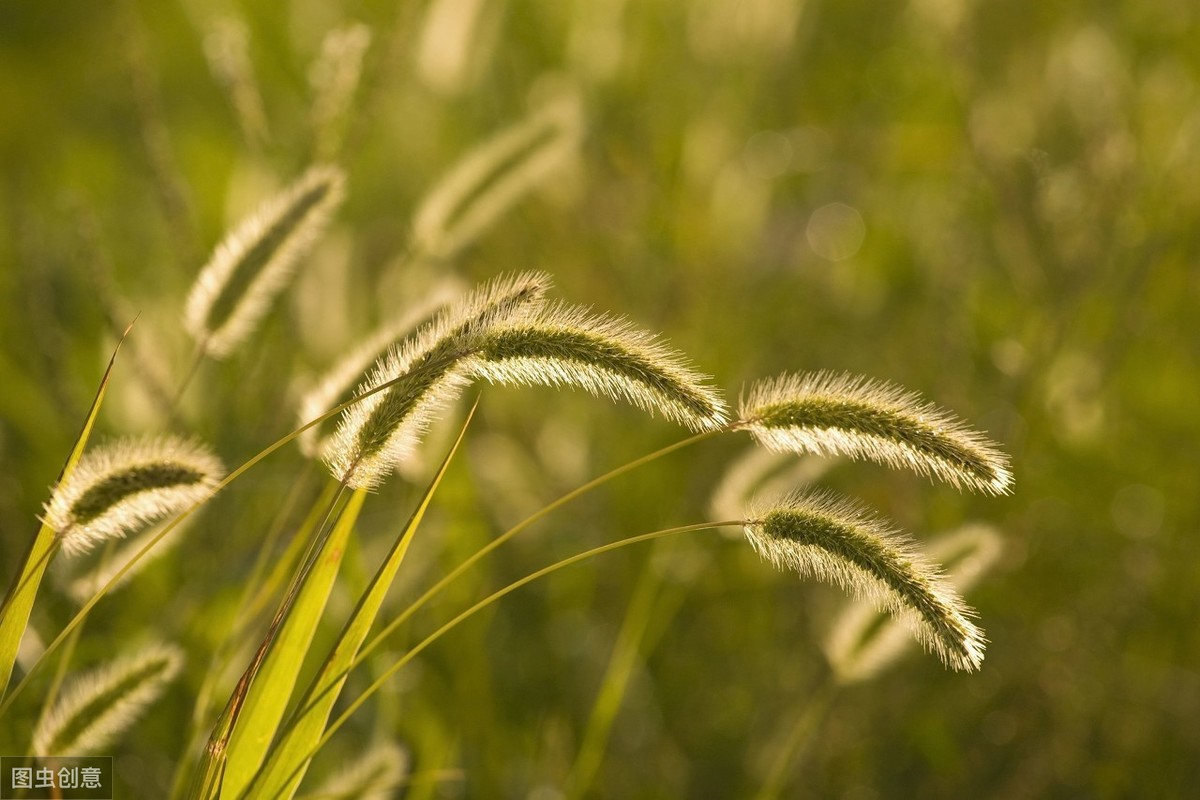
(272, 682)
(18, 603)
(288, 761)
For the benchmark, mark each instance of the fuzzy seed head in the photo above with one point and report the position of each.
(254, 262)
(337, 385)
(831, 414)
(831, 539)
(495, 176)
(122, 486)
(860, 645)
(567, 346)
(99, 706)
(430, 369)
(374, 776)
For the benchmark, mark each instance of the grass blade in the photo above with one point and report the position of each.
(285, 768)
(18, 603)
(271, 683)
(495, 596)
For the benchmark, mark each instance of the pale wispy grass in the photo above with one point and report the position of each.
(257, 259)
(127, 560)
(430, 370)
(835, 414)
(99, 706)
(457, 38)
(334, 77)
(119, 487)
(832, 539)
(373, 776)
(226, 47)
(862, 642)
(759, 472)
(496, 175)
(562, 345)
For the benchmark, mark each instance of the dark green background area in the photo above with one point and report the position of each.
(1027, 177)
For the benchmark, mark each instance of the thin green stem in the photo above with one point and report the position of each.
(451, 576)
(793, 749)
(481, 605)
(520, 526)
(193, 367)
(252, 597)
(616, 679)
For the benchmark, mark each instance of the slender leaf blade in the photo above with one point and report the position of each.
(275, 680)
(18, 603)
(287, 763)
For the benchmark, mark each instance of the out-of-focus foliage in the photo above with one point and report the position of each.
(996, 204)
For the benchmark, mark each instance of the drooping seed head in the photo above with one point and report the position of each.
(99, 706)
(430, 371)
(830, 414)
(334, 77)
(862, 641)
(254, 262)
(337, 385)
(495, 176)
(567, 346)
(119, 487)
(374, 776)
(834, 540)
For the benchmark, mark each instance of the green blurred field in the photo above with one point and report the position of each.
(997, 205)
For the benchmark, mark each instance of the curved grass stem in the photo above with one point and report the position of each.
(495, 596)
(793, 749)
(454, 574)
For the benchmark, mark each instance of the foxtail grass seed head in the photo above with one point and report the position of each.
(99, 706)
(254, 262)
(759, 472)
(226, 46)
(334, 77)
(495, 176)
(567, 346)
(337, 385)
(829, 414)
(834, 540)
(431, 369)
(119, 487)
(374, 776)
(862, 642)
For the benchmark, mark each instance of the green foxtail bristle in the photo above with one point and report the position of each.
(100, 705)
(830, 414)
(119, 487)
(254, 262)
(565, 346)
(834, 540)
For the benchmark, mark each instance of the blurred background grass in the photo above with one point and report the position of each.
(995, 204)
